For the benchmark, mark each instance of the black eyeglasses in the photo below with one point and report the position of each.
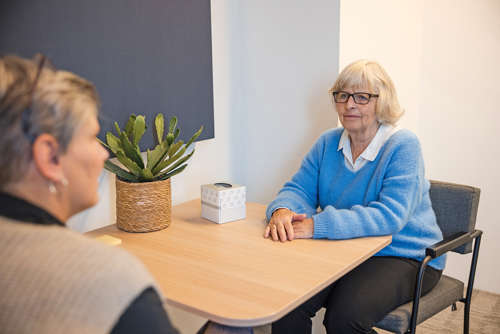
(359, 97)
(26, 113)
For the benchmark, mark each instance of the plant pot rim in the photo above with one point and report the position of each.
(139, 182)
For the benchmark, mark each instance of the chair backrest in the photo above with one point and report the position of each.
(455, 206)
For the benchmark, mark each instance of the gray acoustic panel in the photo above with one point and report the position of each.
(144, 57)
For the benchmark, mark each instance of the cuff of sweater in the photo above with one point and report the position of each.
(322, 226)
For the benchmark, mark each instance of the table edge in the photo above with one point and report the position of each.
(267, 319)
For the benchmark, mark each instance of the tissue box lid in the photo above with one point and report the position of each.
(223, 197)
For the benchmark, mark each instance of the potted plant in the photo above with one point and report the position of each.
(143, 198)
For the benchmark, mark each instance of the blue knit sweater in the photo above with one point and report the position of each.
(386, 196)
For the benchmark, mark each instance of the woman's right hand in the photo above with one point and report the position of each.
(280, 226)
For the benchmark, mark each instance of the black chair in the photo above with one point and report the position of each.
(456, 209)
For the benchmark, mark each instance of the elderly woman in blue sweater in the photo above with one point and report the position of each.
(364, 179)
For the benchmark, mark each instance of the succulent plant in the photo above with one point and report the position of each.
(167, 158)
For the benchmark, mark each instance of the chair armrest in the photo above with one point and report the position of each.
(450, 243)
(439, 249)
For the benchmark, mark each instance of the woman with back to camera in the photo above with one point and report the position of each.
(364, 179)
(55, 280)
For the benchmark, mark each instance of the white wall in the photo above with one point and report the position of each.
(388, 31)
(460, 114)
(287, 60)
(443, 56)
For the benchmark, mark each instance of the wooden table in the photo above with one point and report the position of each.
(230, 274)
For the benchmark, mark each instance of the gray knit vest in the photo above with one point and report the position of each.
(54, 280)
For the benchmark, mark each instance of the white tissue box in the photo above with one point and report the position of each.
(223, 202)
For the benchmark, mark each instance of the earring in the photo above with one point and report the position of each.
(52, 188)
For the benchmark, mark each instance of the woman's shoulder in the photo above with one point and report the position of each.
(101, 254)
(404, 145)
(70, 248)
(333, 133)
(80, 278)
(403, 137)
(328, 141)
(331, 136)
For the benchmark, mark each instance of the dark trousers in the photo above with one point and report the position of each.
(361, 298)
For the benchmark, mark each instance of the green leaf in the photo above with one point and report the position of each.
(175, 147)
(181, 161)
(172, 173)
(167, 159)
(165, 163)
(130, 151)
(103, 143)
(131, 165)
(196, 135)
(157, 155)
(160, 127)
(139, 129)
(170, 138)
(146, 175)
(117, 128)
(114, 143)
(118, 171)
(149, 157)
(129, 127)
(172, 125)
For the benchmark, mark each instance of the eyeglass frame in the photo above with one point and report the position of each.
(354, 96)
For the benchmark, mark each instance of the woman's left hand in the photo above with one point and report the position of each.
(303, 229)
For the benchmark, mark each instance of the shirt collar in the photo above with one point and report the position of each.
(371, 151)
(19, 209)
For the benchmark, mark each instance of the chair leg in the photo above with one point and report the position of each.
(470, 284)
(453, 307)
(416, 295)
(466, 316)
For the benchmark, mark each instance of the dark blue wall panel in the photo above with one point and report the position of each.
(144, 57)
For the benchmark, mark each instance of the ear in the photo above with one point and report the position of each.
(46, 156)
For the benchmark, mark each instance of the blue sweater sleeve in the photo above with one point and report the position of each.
(402, 183)
(300, 194)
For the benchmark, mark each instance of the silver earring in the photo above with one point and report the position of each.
(52, 188)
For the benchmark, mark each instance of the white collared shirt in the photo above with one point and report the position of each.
(384, 132)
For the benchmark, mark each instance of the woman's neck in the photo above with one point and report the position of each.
(40, 196)
(360, 140)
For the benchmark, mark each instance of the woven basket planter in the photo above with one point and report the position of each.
(143, 207)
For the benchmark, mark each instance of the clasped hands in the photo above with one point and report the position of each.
(287, 225)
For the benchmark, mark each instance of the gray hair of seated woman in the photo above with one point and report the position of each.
(36, 99)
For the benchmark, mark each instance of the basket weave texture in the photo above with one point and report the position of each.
(143, 207)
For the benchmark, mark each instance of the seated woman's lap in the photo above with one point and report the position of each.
(360, 298)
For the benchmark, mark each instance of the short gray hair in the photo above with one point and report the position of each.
(56, 104)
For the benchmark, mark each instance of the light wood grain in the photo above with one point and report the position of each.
(230, 274)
